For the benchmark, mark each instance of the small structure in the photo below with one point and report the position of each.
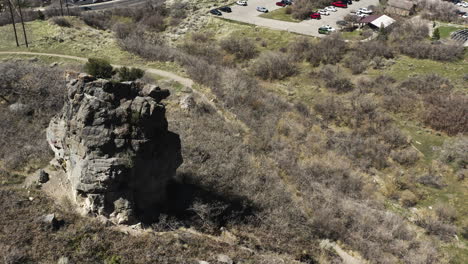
(401, 7)
(376, 21)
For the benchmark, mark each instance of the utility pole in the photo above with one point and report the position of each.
(13, 21)
(22, 24)
(68, 10)
(61, 8)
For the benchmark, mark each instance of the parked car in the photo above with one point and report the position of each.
(323, 30)
(216, 12)
(86, 8)
(242, 3)
(349, 2)
(315, 16)
(323, 12)
(340, 4)
(465, 16)
(262, 9)
(365, 11)
(361, 15)
(281, 4)
(226, 9)
(330, 9)
(329, 28)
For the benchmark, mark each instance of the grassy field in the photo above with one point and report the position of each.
(405, 67)
(280, 14)
(353, 35)
(268, 39)
(79, 40)
(445, 31)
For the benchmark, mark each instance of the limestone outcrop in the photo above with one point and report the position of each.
(112, 140)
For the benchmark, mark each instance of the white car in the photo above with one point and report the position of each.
(329, 28)
(361, 14)
(465, 16)
(330, 9)
(262, 9)
(323, 12)
(242, 3)
(365, 11)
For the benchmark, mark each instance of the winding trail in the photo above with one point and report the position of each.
(184, 81)
(227, 115)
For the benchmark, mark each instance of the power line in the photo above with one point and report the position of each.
(22, 24)
(13, 22)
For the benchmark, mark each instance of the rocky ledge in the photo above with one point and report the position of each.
(112, 141)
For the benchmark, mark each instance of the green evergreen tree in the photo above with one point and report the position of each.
(99, 68)
(436, 34)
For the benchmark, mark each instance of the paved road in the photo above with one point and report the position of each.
(249, 14)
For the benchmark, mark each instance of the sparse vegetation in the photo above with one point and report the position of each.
(358, 160)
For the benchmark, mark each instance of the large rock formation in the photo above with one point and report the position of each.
(112, 141)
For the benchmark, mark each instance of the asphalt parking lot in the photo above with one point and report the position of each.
(249, 14)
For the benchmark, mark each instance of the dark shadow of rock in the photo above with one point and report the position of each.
(182, 198)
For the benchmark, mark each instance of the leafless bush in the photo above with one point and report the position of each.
(455, 151)
(437, 10)
(154, 22)
(39, 89)
(447, 112)
(434, 226)
(299, 47)
(243, 48)
(151, 50)
(431, 179)
(445, 212)
(329, 50)
(61, 22)
(427, 84)
(406, 156)
(123, 30)
(274, 65)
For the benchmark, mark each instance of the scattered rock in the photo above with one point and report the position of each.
(187, 102)
(203, 262)
(43, 177)
(53, 64)
(63, 260)
(33, 59)
(20, 109)
(186, 90)
(224, 259)
(50, 221)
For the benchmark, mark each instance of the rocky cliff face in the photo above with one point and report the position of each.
(113, 143)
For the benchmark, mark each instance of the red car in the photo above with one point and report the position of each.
(340, 4)
(280, 4)
(315, 16)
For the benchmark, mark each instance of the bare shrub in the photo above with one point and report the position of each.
(243, 48)
(447, 112)
(299, 48)
(434, 226)
(445, 212)
(123, 30)
(426, 84)
(156, 50)
(431, 179)
(406, 157)
(437, 10)
(340, 85)
(39, 89)
(329, 50)
(61, 21)
(154, 22)
(408, 198)
(455, 151)
(274, 65)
